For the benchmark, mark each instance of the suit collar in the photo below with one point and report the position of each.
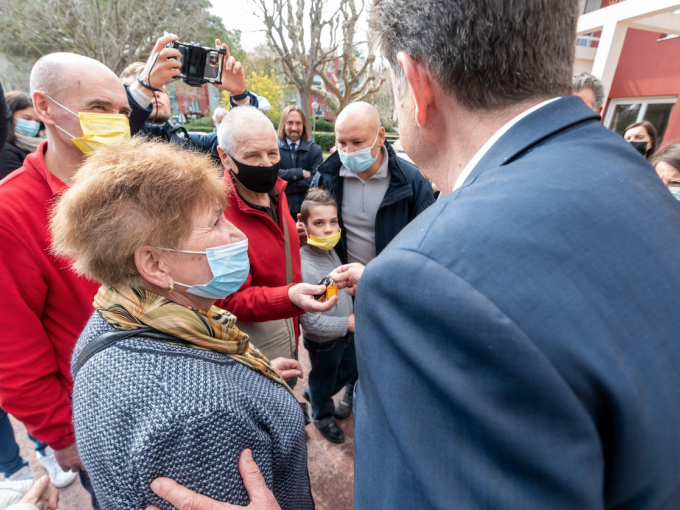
(301, 145)
(532, 130)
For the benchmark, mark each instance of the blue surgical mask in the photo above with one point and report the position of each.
(230, 267)
(359, 161)
(28, 127)
(675, 190)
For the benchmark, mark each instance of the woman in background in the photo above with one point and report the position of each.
(24, 136)
(642, 136)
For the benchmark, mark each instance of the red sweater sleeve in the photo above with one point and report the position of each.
(30, 388)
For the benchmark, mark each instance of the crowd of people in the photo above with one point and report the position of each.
(510, 344)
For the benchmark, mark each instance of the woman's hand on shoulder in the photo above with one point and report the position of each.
(261, 498)
(287, 368)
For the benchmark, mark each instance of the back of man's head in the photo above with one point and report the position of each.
(487, 54)
(239, 123)
(583, 81)
(129, 74)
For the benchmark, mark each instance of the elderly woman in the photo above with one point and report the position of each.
(165, 384)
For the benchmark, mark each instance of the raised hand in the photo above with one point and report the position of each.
(233, 77)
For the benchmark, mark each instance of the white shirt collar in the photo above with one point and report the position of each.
(297, 144)
(491, 141)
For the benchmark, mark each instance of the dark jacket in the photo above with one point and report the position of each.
(518, 342)
(5, 118)
(11, 158)
(175, 132)
(408, 194)
(308, 156)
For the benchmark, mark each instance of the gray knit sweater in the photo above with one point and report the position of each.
(324, 327)
(144, 409)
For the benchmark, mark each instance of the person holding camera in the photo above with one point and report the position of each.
(150, 103)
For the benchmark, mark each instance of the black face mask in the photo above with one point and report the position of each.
(259, 179)
(641, 147)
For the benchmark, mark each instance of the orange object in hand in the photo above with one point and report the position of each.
(331, 290)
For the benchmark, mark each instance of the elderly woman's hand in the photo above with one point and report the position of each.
(302, 296)
(287, 368)
(261, 498)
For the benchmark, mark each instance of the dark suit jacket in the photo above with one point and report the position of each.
(308, 156)
(519, 342)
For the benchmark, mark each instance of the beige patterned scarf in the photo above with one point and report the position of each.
(128, 309)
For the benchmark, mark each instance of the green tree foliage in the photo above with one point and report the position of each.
(115, 32)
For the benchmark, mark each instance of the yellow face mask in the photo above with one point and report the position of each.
(99, 129)
(325, 243)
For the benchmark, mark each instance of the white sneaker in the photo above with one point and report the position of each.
(58, 477)
(12, 492)
(25, 473)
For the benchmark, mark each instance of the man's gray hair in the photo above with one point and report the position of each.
(487, 54)
(239, 121)
(586, 80)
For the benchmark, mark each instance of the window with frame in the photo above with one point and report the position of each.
(624, 112)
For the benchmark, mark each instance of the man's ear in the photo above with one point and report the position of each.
(420, 85)
(226, 160)
(42, 107)
(152, 268)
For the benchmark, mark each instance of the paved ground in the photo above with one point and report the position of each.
(331, 467)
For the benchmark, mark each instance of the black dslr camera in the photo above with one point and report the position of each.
(199, 64)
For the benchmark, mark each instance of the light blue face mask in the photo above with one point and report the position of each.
(675, 190)
(359, 161)
(28, 127)
(229, 265)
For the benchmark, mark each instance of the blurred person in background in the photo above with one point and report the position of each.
(642, 136)
(300, 156)
(590, 89)
(666, 162)
(25, 136)
(217, 116)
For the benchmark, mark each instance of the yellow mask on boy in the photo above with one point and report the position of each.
(325, 243)
(99, 129)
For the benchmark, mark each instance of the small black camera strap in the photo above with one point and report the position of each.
(146, 85)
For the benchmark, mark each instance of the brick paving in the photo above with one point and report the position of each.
(331, 467)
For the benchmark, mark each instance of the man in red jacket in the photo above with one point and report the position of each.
(44, 304)
(248, 148)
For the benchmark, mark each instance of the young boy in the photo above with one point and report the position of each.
(329, 337)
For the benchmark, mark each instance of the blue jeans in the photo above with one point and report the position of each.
(10, 459)
(334, 365)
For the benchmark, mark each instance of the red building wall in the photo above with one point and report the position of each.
(649, 67)
(186, 93)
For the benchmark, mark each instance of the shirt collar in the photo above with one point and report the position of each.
(491, 141)
(297, 144)
(380, 174)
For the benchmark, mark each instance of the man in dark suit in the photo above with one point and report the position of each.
(300, 156)
(518, 342)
